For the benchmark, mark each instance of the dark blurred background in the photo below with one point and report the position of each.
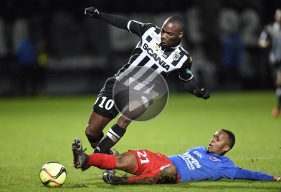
(69, 53)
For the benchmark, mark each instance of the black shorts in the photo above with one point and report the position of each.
(108, 101)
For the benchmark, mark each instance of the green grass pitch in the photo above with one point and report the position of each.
(37, 130)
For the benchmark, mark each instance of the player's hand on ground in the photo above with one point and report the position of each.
(202, 93)
(92, 12)
(277, 178)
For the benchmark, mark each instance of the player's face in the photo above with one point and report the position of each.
(219, 143)
(170, 34)
(278, 15)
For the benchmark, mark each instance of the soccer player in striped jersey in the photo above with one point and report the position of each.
(196, 164)
(160, 50)
(271, 38)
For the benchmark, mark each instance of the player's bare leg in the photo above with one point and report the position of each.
(276, 110)
(94, 129)
(130, 112)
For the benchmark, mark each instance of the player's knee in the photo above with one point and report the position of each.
(126, 161)
(168, 174)
(90, 131)
(171, 169)
(121, 161)
(123, 121)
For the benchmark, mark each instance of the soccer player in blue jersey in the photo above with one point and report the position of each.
(196, 164)
(159, 50)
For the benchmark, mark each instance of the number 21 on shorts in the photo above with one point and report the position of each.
(143, 157)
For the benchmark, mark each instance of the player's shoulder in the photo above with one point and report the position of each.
(201, 148)
(152, 25)
(269, 26)
(147, 25)
(226, 161)
(183, 50)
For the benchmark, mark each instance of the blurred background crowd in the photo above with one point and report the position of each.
(49, 47)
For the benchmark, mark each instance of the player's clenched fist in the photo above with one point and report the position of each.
(205, 93)
(202, 93)
(92, 12)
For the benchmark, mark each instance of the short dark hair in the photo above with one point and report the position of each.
(178, 20)
(231, 137)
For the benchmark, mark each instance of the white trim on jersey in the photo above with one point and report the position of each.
(128, 26)
(186, 79)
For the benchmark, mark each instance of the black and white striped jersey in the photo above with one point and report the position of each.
(273, 32)
(148, 55)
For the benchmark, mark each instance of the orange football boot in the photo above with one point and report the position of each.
(275, 112)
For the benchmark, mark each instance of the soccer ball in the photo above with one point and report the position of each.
(52, 174)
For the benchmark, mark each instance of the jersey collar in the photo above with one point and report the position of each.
(171, 48)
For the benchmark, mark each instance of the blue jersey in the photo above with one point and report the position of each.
(197, 164)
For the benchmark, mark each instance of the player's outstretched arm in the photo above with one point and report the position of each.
(264, 41)
(189, 82)
(191, 87)
(115, 20)
(255, 175)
